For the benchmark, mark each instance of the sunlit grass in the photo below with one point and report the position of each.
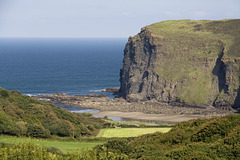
(129, 132)
(65, 147)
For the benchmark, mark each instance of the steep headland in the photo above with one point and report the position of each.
(184, 62)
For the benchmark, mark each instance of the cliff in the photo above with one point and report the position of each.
(184, 62)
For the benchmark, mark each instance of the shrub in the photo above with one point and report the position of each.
(54, 150)
(26, 151)
(87, 114)
(21, 128)
(105, 117)
(142, 125)
(4, 93)
(16, 93)
(216, 129)
(35, 130)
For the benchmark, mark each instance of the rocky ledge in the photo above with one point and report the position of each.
(114, 90)
(103, 103)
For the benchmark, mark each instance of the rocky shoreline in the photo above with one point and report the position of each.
(104, 104)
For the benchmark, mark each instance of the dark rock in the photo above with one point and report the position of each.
(149, 107)
(185, 67)
(114, 90)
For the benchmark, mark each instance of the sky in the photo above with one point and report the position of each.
(103, 18)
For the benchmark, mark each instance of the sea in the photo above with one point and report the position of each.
(74, 66)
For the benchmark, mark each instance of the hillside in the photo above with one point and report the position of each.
(217, 138)
(23, 116)
(184, 61)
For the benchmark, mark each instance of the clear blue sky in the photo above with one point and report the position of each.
(102, 18)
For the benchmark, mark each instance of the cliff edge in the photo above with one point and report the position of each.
(184, 62)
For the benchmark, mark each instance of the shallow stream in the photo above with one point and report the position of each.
(76, 109)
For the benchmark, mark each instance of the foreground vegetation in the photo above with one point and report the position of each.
(24, 116)
(61, 146)
(217, 138)
(69, 146)
(29, 151)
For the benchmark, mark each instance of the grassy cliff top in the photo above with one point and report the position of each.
(207, 34)
(189, 45)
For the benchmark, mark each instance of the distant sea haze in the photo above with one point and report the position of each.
(49, 65)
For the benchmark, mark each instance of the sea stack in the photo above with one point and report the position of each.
(184, 61)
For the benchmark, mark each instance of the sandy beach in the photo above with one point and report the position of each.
(149, 111)
(160, 118)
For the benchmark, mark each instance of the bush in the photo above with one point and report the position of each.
(87, 114)
(21, 128)
(26, 151)
(6, 123)
(216, 129)
(35, 130)
(54, 150)
(105, 117)
(4, 93)
(142, 125)
(16, 93)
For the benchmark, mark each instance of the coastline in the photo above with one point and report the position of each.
(142, 110)
(159, 118)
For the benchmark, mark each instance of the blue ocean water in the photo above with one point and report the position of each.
(66, 65)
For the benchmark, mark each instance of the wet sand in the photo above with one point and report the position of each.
(141, 111)
(160, 118)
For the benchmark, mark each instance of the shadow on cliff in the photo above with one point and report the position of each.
(220, 71)
(237, 101)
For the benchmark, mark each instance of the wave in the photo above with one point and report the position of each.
(86, 110)
(98, 90)
(30, 95)
(35, 94)
(43, 99)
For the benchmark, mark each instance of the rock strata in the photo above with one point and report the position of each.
(184, 62)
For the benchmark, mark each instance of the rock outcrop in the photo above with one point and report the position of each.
(103, 103)
(184, 62)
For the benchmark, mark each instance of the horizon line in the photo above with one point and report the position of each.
(61, 37)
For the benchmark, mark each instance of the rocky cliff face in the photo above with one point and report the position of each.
(190, 62)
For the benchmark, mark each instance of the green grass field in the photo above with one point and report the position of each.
(65, 147)
(73, 147)
(129, 132)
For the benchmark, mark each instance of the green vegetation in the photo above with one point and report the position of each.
(26, 151)
(64, 146)
(24, 116)
(29, 151)
(135, 124)
(217, 138)
(129, 132)
(190, 51)
(202, 38)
